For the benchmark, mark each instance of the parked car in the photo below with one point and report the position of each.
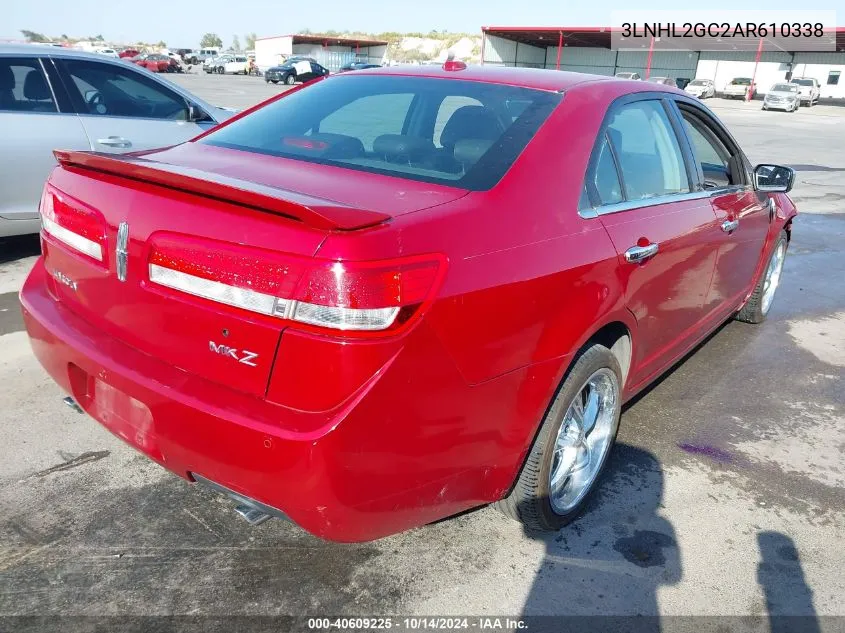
(187, 55)
(739, 88)
(65, 98)
(154, 62)
(204, 55)
(701, 88)
(129, 53)
(357, 66)
(108, 52)
(217, 64)
(236, 65)
(808, 89)
(782, 96)
(635, 76)
(666, 81)
(366, 362)
(295, 69)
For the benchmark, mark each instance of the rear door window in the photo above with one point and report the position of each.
(647, 151)
(23, 86)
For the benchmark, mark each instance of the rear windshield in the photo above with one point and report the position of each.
(803, 82)
(461, 133)
(741, 81)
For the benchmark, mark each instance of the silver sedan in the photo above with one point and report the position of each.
(53, 98)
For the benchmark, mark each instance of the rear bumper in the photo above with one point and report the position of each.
(417, 444)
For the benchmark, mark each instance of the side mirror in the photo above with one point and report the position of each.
(773, 178)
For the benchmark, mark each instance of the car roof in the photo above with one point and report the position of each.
(52, 51)
(537, 78)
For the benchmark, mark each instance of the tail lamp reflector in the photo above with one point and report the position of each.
(73, 225)
(353, 296)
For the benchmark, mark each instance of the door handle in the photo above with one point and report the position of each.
(115, 141)
(730, 225)
(639, 253)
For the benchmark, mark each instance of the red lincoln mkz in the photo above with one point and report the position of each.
(400, 293)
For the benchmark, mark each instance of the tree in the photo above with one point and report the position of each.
(211, 40)
(249, 41)
(32, 36)
(162, 44)
(236, 44)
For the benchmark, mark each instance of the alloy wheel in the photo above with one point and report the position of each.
(772, 278)
(583, 440)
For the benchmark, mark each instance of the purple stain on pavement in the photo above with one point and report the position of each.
(710, 451)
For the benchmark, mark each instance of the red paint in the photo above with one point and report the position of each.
(749, 95)
(559, 48)
(648, 61)
(359, 437)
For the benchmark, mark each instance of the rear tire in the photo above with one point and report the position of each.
(530, 501)
(760, 301)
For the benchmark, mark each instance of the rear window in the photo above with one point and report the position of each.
(461, 133)
(741, 81)
(803, 82)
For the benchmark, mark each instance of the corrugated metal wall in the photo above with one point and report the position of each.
(672, 64)
(721, 66)
(598, 61)
(736, 56)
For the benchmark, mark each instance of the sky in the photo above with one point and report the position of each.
(182, 24)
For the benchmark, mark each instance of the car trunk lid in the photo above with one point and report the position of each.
(113, 222)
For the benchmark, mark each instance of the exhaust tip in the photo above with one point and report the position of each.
(70, 402)
(251, 515)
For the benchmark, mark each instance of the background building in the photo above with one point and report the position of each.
(331, 52)
(588, 50)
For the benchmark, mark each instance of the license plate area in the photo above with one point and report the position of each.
(125, 416)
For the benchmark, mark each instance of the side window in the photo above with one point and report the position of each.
(710, 153)
(447, 108)
(112, 90)
(606, 178)
(380, 114)
(23, 87)
(647, 151)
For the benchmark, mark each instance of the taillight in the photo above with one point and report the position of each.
(348, 296)
(71, 222)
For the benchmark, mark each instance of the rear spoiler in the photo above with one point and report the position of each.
(315, 212)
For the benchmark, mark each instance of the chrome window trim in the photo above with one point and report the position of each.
(630, 205)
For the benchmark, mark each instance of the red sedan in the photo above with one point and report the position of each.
(155, 63)
(396, 294)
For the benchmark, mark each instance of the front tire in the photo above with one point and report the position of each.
(570, 452)
(290, 80)
(760, 301)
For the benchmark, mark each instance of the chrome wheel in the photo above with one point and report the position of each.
(772, 278)
(583, 439)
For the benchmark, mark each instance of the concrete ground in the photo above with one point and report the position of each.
(724, 494)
